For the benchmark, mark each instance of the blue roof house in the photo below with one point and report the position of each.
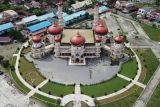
(71, 17)
(6, 27)
(39, 26)
(46, 16)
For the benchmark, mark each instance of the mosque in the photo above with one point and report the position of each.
(77, 45)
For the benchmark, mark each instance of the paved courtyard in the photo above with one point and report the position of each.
(11, 97)
(58, 70)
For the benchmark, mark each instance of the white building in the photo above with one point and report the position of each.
(77, 45)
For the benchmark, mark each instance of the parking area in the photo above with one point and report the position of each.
(8, 49)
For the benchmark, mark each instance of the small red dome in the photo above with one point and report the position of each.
(77, 40)
(36, 39)
(54, 29)
(118, 39)
(57, 39)
(101, 29)
(98, 39)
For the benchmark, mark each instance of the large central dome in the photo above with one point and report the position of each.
(77, 40)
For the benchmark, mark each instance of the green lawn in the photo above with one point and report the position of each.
(57, 89)
(13, 61)
(15, 79)
(129, 68)
(149, 63)
(125, 102)
(29, 72)
(153, 33)
(106, 87)
(155, 99)
(48, 101)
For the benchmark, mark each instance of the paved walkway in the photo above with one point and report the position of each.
(77, 97)
(148, 91)
(131, 84)
(150, 87)
(33, 90)
(129, 79)
(77, 102)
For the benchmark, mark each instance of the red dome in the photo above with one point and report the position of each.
(36, 39)
(118, 39)
(54, 29)
(101, 29)
(77, 40)
(57, 39)
(98, 39)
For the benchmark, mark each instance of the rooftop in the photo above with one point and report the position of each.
(10, 12)
(29, 19)
(78, 5)
(46, 16)
(103, 9)
(74, 15)
(68, 33)
(6, 26)
(39, 26)
(5, 39)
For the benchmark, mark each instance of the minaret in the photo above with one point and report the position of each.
(57, 41)
(38, 48)
(101, 31)
(117, 48)
(98, 41)
(54, 31)
(60, 14)
(96, 15)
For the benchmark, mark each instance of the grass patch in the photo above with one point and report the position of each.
(29, 72)
(70, 104)
(126, 101)
(15, 79)
(155, 99)
(57, 89)
(149, 63)
(153, 33)
(13, 61)
(83, 104)
(129, 68)
(48, 101)
(106, 87)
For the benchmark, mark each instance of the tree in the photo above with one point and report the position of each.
(157, 2)
(70, 2)
(37, 11)
(5, 63)
(15, 35)
(1, 58)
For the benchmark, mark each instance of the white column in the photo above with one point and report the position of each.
(60, 14)
(96, 15)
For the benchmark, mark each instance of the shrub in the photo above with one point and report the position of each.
(5, 63)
